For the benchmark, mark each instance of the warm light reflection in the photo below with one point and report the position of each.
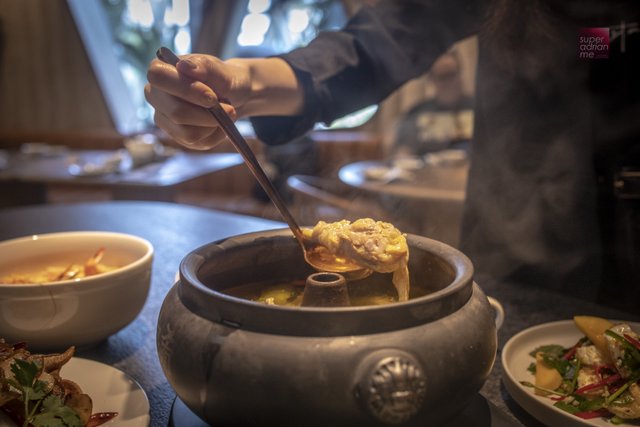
(182, 41)
(177, 13)
(298, 20)
(137, 28)
(140, 12)
(253, 29)
(258, 6)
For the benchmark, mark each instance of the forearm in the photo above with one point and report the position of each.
(275, 90)
(378, 50)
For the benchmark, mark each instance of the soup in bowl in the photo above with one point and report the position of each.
(71, 288)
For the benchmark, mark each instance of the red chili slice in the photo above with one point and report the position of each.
(587, 415)
(634, 342)
(20, 345)
(569, 354)
(609, 380)
(100, 418)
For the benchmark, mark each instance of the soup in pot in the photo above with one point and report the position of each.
(371, 291)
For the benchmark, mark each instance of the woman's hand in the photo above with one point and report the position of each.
(245, 87)
(180, 96)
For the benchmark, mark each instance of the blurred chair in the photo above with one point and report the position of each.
(316, 198)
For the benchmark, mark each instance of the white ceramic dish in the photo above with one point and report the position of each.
(408, 163)
(111, 390)
(446, 158)
(104, 165)
(384, 174)
(516, 360)
(78, 312)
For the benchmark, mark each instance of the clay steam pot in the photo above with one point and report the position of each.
(237, 362)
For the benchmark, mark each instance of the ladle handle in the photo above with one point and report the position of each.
(238, 141)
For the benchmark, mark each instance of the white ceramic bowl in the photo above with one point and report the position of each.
(80, 312)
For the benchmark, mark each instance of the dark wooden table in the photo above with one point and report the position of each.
(174, 230)
(24, 179)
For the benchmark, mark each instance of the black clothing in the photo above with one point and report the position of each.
(549, 126)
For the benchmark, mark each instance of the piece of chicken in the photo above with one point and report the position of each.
(376, 245)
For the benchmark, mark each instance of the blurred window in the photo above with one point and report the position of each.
(270, 27)
(281, 25)
(121, 37)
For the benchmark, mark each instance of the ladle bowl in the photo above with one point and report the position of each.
(324, 261)
(233, 361)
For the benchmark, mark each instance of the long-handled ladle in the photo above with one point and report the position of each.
(319, 259)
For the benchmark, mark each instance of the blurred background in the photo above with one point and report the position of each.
(72, 74)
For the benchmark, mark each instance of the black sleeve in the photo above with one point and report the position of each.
(379, 49)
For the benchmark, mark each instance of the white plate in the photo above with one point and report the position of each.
(385, 175)
(446, 158)
(111, 391)
(516, 360)
(408, 163)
